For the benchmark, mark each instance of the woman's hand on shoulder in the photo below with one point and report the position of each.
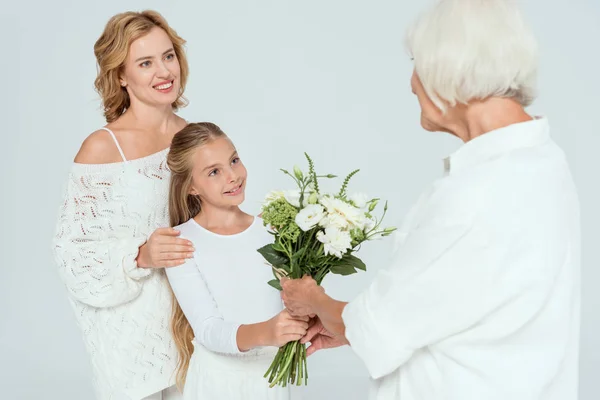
(165, 249)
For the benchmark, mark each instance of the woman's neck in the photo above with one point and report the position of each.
(153, 119)
(484, 116)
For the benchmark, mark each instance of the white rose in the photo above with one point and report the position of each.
(359, 200)
(310, 216)
(335, 242)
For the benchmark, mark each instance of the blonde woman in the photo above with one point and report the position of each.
(113, 240)
(230, 324)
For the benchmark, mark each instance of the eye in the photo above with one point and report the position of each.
(170, 56)
(236, 160)
(213, 172)
(145, 64)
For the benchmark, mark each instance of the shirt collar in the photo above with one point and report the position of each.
(496, 143)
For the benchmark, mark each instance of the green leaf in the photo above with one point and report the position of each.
(299, 253)
(275, 283)
(344, 269)
(278, 247)
(272, 256)
(354, 261)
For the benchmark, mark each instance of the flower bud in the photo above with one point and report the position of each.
(298, 172)
(373, 205)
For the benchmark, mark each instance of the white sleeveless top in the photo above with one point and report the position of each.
(109, 210)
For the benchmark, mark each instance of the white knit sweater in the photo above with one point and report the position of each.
(123, 311)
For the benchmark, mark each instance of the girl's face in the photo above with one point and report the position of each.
(218, 175)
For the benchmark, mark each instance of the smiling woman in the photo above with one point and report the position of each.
(130, 63)
(113, 237)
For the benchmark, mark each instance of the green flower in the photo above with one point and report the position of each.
(292, 231)
(279, 213)
(357, 235)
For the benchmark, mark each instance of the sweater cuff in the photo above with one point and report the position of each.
(130, 249)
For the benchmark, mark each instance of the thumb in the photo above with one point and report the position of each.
(311, 333)
(315, 346)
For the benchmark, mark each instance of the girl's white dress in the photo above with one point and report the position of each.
(222, 287)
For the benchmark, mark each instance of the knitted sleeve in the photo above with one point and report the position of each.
(97, 239)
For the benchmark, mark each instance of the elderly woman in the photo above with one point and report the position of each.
(482, 299)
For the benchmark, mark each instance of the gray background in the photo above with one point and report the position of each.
(281, 77)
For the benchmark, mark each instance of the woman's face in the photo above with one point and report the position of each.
(152, 73)
(432, 118)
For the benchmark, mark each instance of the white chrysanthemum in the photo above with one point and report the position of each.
(335, 242)
(310, 216)
(342, 214)
(338, 221)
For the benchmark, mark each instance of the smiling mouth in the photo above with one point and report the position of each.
(164, 86)
(235, 190)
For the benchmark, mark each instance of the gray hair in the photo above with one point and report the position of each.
(467, 50)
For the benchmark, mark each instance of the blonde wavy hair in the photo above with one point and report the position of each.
(111, 51)
(182, 207)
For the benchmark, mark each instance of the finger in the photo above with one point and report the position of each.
(311, 333)
(175, 256)
(169, 248)
(167, 232)
(294, 330)
(300, 323)
(291, 337)
(315, 345)
(295, 312)
(304, 318)
(176, 241)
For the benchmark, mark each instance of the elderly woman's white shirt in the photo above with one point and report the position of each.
(482, 299)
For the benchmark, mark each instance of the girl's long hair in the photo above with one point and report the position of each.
(182, 207)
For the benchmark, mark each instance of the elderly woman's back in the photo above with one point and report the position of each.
(484, 290)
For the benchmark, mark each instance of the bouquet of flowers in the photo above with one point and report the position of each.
(314, 234)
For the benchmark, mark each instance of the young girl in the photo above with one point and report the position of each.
(230, 323)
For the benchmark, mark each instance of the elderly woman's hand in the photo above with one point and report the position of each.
(300, 295)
